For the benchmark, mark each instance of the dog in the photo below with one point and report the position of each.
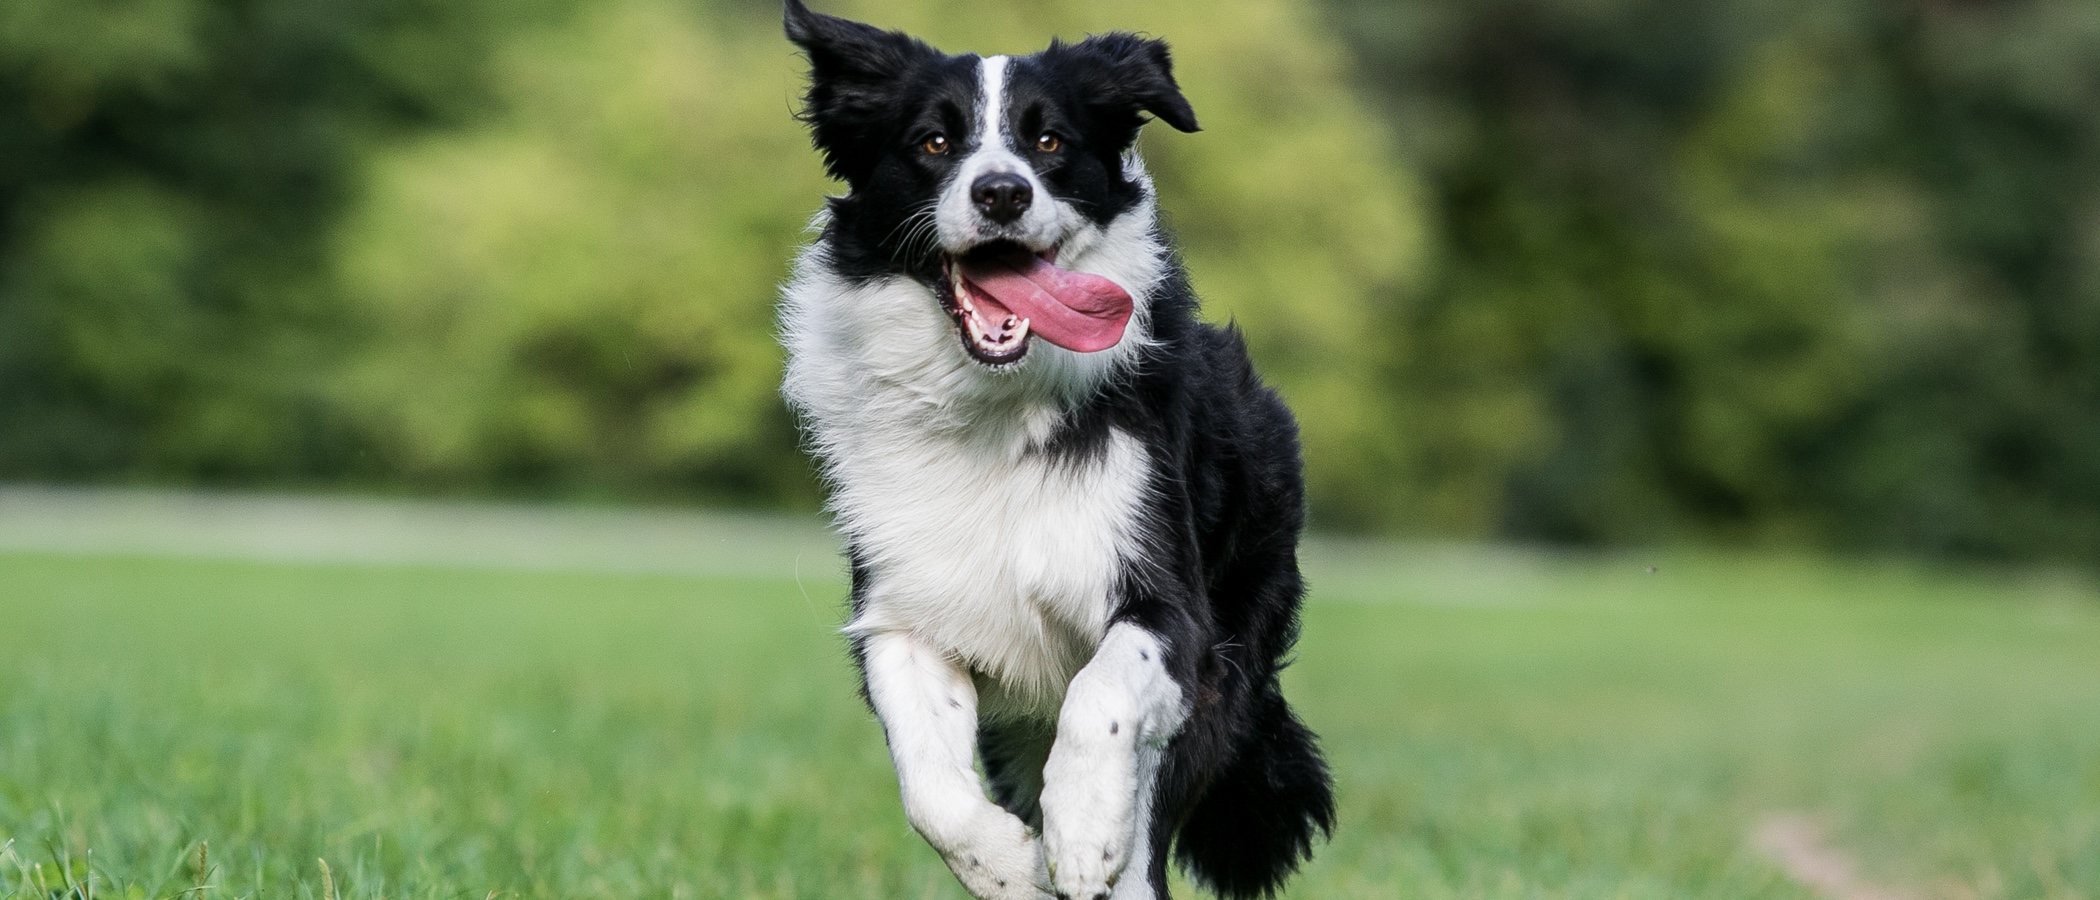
(1070, 509)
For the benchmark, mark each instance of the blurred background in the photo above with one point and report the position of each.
(1770, 272)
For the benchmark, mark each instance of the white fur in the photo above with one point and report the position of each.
(1007, 562)
(929, 709)
(1098, 784)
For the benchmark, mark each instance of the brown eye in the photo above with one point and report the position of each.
(935, 144)
(1049, 143)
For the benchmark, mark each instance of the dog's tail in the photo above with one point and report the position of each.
(1259, 819)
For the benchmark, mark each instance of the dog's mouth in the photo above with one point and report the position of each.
(1000, 294)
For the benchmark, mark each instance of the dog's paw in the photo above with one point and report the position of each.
(999, 858)
(1089, 821)
(1087, 873)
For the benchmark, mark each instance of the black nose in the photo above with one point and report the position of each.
(1002, 196)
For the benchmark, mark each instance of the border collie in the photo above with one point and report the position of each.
(1071, 510)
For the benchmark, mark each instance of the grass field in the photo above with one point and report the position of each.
(1502, 723)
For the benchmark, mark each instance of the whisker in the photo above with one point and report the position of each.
(925, 229)
(920, 221)
(923, 209)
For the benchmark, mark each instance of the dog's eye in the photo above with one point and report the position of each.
(1049, 143)
(935, 144)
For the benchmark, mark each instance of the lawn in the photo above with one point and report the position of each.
(1503, 723)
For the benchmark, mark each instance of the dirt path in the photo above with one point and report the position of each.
(1801, 847)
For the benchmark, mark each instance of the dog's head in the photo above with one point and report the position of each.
(991, 180)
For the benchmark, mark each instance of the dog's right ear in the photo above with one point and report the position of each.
(856, 73)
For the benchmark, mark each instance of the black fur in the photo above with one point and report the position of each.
(1245, 782)
(1244, 792)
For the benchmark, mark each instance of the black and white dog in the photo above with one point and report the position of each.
(1071, 509)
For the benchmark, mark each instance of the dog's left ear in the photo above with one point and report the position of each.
(1137, 72)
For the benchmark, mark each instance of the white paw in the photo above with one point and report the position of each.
(998, 858)
(1089, 799)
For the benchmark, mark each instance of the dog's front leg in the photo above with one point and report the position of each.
(928, 708)
(1119, 713)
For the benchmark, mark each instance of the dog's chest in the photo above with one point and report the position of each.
(1009, 561)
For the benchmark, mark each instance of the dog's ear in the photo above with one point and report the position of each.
(846, 51)
(855, 77)
(1136, 74)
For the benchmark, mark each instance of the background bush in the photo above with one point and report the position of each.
(1785, 272)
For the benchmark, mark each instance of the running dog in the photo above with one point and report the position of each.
(1070, 508)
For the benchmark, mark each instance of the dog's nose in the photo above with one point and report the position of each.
(1002, 196)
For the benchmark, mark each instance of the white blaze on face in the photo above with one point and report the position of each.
(961, 226)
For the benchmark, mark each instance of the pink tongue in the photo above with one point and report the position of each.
(1074, 310)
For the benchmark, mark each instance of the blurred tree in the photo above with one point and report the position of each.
(1982, 436)
(1747, 268)
(168, 170)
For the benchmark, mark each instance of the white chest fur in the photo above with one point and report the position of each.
(1008, 561)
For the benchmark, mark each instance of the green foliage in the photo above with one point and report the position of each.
(1736, 269)
(580, 290)
(170, 170)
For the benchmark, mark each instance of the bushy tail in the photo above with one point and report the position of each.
(1258, 821)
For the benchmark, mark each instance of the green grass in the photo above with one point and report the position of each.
(1502, 724)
